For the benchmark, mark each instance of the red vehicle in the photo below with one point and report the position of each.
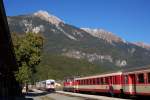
(131, 82)
(70, 85)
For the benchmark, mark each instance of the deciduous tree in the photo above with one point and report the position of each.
(28, 48)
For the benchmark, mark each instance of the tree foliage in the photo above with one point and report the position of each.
(24, 74)
(28, 48)
(58, 67)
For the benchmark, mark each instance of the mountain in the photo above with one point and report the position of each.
(143, 45)
(97, 46)
(102, 34)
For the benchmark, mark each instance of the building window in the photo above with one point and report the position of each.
(140, 78)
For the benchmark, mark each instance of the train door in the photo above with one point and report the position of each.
(110, 80)
(132, 84)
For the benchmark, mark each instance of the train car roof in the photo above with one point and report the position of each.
(137, 69)
(101, 75)
(125, 71)
(51, 79)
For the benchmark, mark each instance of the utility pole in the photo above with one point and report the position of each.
(9, 87)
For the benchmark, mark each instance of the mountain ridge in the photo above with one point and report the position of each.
(44, 15)
(98, 46)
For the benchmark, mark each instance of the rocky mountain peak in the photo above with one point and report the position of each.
(143, 45)
(44, 15)
(102, 34)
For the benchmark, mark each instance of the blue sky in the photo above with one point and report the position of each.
(129, 19)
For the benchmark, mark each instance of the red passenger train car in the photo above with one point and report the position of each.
(131, 82)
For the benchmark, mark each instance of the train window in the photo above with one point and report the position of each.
(106, 80)
(52, 83)
(140, 78)
(110, 80)
(79, 82)
(148, 76)
(94, 81)
(114, 79)
(91, 81)
(85, 82)
(98, 80)
(102, 82)
(82, 82)
(126, 79)
(88, 82)
(117, 79)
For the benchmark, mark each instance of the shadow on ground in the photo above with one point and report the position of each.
(23, 98)
(31, 95)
